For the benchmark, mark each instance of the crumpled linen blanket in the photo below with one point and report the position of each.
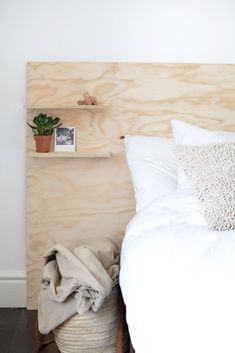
(77, 280)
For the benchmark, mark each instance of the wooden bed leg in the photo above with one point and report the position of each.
(119, 337)
(120, 333)
(131, 348)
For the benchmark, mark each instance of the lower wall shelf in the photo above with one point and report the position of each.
(77, 154)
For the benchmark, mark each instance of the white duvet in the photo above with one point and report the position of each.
(178, 280)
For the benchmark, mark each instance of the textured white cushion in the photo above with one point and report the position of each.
(211, 172)
(153, 167)
(189, 134)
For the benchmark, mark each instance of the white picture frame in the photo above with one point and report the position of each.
(65, 139)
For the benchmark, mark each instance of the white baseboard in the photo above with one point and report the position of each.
(12, 289)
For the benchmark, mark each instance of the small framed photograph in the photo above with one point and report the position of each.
(65, 139)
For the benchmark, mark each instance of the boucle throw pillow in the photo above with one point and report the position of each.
(211, 171)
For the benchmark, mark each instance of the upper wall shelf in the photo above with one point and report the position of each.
(77, 107)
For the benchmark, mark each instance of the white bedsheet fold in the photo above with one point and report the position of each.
(178, 280)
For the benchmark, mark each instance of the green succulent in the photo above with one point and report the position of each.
(44, 124)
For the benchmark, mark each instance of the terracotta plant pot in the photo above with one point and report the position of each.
(43, 143)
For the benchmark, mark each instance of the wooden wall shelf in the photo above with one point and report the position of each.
(78, 154)
(76, 107)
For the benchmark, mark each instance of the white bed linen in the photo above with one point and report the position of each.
(178, 280)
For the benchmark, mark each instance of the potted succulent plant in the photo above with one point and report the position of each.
(43, 128)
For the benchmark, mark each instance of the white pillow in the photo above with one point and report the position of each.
(153, 167)
(187, 134)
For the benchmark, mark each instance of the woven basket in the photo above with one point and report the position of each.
(93, 332)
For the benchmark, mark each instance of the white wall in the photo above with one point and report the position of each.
(87, 30)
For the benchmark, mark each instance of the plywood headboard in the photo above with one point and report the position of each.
(70, 198)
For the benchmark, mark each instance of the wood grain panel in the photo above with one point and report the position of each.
(69, 199)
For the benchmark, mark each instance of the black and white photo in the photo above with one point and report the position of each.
(65, 139)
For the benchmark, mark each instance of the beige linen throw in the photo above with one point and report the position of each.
(77, 280)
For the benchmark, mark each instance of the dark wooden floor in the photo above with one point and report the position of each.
(17, 333)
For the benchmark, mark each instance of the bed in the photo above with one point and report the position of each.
(177, 276)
